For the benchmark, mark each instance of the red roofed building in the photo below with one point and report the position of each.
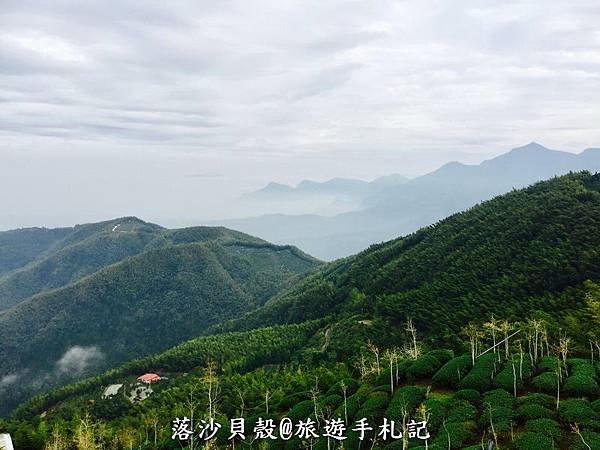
(149, 378)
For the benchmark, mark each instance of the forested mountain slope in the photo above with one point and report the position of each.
(192, 279)
(529, 249)
(83, 250)
(20, 247)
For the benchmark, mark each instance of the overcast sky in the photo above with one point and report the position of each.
(166, 109)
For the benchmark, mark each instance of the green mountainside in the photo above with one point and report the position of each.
(19, 247)
(83, 250)
(529, 249)
(180, 283)
(398, 331)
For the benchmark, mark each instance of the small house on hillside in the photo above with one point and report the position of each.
(149, 378)
(6, 442)
(112, 390)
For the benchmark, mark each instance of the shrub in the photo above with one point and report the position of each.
(546, 382)
(596, 405)
(480, 376)
(458, 433)
(534, 411)
(373, 407)
(289, 401)
(461, 411)
(577, 411)
(581, 381)
(547, 364)
(501, 416)
(533, 441)
(301, 410)
(591, 439)
(421, 447)
(382, 388)
(544, 426)
(442, 355)
(453, 371)
(332, 401)
(499, 397)
(501, 412)
(537, 398)
(470, 395)
(506, 378)
(408, 397)
(424, 367)
(352, 406)
(436, 412)
(351, 387)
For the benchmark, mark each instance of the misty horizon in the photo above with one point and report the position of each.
(171, 112)
(239, 198)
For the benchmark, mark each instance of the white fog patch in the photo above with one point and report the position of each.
(77, 359)
(9, 379)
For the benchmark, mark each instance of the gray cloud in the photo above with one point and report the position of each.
(267, 90)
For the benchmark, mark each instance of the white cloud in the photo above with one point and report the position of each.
(8, 380)
(77, 360)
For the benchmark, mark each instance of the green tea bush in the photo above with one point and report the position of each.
(547, 364)
(591, 438)
(537, 398)
(578, 411)
(470, 395)
(480, 376)
(453, 371)
(407, 397)
(501, 412)
(458, 434)
(351, 387)
(548, 427)
(289, 401)
(301, 410)
(533, 441)
(499, 397)
(461, 411)
(442, 355)
(381, 388)
(546, 382)
(332, 401)
(533, 411)
(436, 411)
(352, 406)
(581, 381)
(374, 407)
(424, 367)
(507, 376)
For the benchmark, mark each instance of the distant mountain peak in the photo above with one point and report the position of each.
(532, 146)
(275, 187)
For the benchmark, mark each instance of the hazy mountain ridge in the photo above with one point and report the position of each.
(403, 208)
(329, 197)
